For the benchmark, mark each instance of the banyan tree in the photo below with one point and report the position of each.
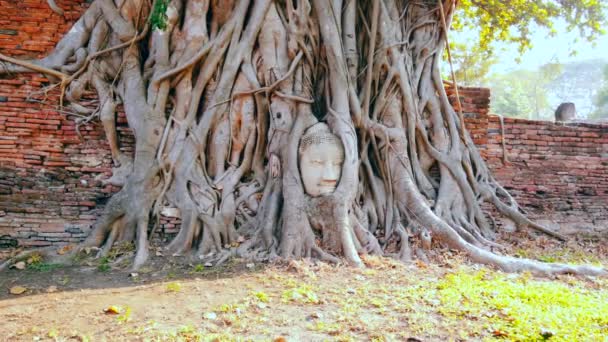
(284, 129)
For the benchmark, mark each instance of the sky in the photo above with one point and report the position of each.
(551, 49)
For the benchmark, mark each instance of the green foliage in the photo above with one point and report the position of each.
(522, 309)
(191, 333)
(325, 327)
(261, 296)
(471, 64)
(158, 17)
(302, 294)
(523, 93)
(44, 267)
(514, 21)
(198, 268)
(36, 263)
(125, 316)
(104, 265)
(174, 287)
(118, 250)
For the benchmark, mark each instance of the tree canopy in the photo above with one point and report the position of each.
(524, 93)
(514, 21)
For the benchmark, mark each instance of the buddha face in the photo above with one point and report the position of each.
(321, 156)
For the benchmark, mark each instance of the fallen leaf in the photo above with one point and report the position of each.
(20, 265)
(112, 310)
(499, 333)
(65, 249)
(17, 290)
(227, 322)
(51, 289)
(280, 339)
(421, 264)
(313, 316)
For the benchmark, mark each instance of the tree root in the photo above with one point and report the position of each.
(217, 118)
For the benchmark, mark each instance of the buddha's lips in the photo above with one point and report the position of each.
(327, 183)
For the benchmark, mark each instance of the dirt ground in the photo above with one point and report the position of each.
(295, 301)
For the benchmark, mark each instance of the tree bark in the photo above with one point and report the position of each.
(218, 95)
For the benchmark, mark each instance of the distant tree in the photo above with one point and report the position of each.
(601, 99)
(471, 64)
(514, 22)
(523, 93)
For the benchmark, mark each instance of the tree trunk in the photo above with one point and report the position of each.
(219, 95)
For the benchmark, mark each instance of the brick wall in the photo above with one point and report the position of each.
(50, 173)
(29, 29)
(51, 187)
(558, 172)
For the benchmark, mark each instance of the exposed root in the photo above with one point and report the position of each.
(54, 7)
(217, 118)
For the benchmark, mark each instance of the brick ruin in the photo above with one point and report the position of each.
(52, 172)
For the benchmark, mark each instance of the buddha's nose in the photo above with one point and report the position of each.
(330, 173)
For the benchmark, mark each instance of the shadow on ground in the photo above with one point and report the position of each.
(52, 278)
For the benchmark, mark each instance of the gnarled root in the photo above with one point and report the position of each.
(218, 116)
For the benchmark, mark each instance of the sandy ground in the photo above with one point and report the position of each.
(296, 301)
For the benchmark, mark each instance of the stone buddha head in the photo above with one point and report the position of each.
(320, 155)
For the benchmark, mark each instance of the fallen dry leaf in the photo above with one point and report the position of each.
(17, 290)
(20, 265)
(421, 264)
(112, 310)
(499, 333)
(65, 249)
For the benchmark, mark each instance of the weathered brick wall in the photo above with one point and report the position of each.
(558, 172)
(29, 29)
(50, 177)
(51, 186)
